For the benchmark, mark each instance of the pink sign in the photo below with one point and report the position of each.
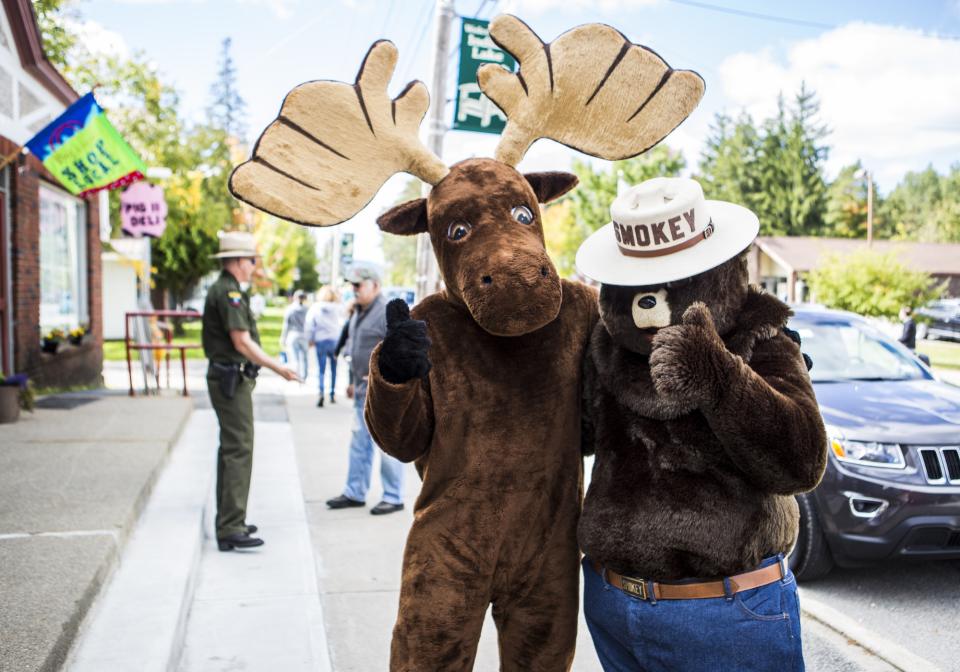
(143, 210)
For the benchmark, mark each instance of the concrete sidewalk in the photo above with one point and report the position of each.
(74, 476)
(359, 560)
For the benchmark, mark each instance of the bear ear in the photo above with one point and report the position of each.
(550, 185)
(405, 219)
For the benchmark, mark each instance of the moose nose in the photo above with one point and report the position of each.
(647, 302)
(487, 279)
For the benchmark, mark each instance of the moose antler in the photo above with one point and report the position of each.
(590, 89)
(334, 145)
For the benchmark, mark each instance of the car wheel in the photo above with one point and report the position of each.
(810, 558)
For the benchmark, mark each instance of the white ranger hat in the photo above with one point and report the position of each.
(663, 230)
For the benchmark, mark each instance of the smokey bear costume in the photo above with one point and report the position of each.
(485, 394)
(704, 424)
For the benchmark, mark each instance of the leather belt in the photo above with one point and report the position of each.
(646, 589)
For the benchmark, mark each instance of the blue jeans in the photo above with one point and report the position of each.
(297, 346)
(756, 629)
(362, 448)
(324, 352)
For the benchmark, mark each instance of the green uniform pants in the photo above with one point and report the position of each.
(235, 458)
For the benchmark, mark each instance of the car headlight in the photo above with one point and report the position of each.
(869, 453)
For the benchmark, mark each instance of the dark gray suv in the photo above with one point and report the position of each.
(892, 483)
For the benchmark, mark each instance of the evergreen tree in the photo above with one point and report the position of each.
(776, 170)
(925, 206)
(228, 109)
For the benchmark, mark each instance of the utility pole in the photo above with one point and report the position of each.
(428, 277)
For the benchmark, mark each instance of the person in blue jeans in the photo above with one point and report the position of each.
(322, 329)
(368, 326)
(701, 414)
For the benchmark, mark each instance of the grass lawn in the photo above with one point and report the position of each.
(945, 354)
(268, 325)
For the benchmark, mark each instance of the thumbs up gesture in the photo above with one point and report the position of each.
(403, 355)
(689, 361)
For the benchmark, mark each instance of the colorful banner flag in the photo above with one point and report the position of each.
(85, 152)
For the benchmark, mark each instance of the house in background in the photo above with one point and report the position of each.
(49, 240)
(778, 262)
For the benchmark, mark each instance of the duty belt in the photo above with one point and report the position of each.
(645, 589)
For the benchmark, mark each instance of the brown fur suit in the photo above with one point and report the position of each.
(494, 429)
(703, 431)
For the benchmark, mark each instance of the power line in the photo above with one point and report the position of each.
(430, 6)
(754, 15)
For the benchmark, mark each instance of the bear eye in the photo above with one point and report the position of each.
(458, 231)
(522, 214)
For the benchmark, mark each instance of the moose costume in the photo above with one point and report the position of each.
(481, 385)
(704, 423)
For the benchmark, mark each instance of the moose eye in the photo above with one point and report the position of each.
(458, 231)
(522, 214)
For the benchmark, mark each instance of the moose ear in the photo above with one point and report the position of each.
(550, 185)
(405, 219)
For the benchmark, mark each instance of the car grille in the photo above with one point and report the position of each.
(941, 465)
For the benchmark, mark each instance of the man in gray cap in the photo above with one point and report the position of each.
(232, 344)
(368, 325)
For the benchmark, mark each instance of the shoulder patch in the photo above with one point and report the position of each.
(235, 298)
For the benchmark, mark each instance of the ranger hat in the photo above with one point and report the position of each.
(663, 230)
(235, 244)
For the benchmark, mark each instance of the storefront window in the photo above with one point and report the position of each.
(63, 260)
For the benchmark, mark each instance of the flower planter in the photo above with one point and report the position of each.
(9, 403)
(50, 346)
(75, 341)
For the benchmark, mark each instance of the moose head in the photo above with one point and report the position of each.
(334, 145)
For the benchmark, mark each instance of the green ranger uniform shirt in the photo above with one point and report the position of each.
(227, 309)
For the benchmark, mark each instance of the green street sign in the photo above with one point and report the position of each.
(474, 111)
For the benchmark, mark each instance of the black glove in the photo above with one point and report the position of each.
(403, 355)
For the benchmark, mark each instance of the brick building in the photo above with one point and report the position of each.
(49, 240)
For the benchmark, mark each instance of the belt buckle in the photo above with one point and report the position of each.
(634, 587)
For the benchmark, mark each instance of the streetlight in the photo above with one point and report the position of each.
(864, 173)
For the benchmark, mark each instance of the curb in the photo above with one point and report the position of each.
(74, 629)
(139, 619)
(882, 648)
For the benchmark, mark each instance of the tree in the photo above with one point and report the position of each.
(570, 220)
(846, 206)
(400, 252)
(925, 206)
(58, 41)
(871, 283)
(309, 277)
(776, 170)
(228, 109)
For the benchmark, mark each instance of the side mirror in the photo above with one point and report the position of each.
(923, 358)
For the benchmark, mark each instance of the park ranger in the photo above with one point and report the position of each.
(232, 344)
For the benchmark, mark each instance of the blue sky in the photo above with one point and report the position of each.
(887, 71)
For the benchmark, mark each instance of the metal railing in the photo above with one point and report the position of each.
(143, 342)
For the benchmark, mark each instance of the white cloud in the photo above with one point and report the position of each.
(281, 8)
(890, 95)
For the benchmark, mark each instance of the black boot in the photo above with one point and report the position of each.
(320, 402)
(238, 540)
(332, 400)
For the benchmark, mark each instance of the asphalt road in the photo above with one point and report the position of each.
(913, 604)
